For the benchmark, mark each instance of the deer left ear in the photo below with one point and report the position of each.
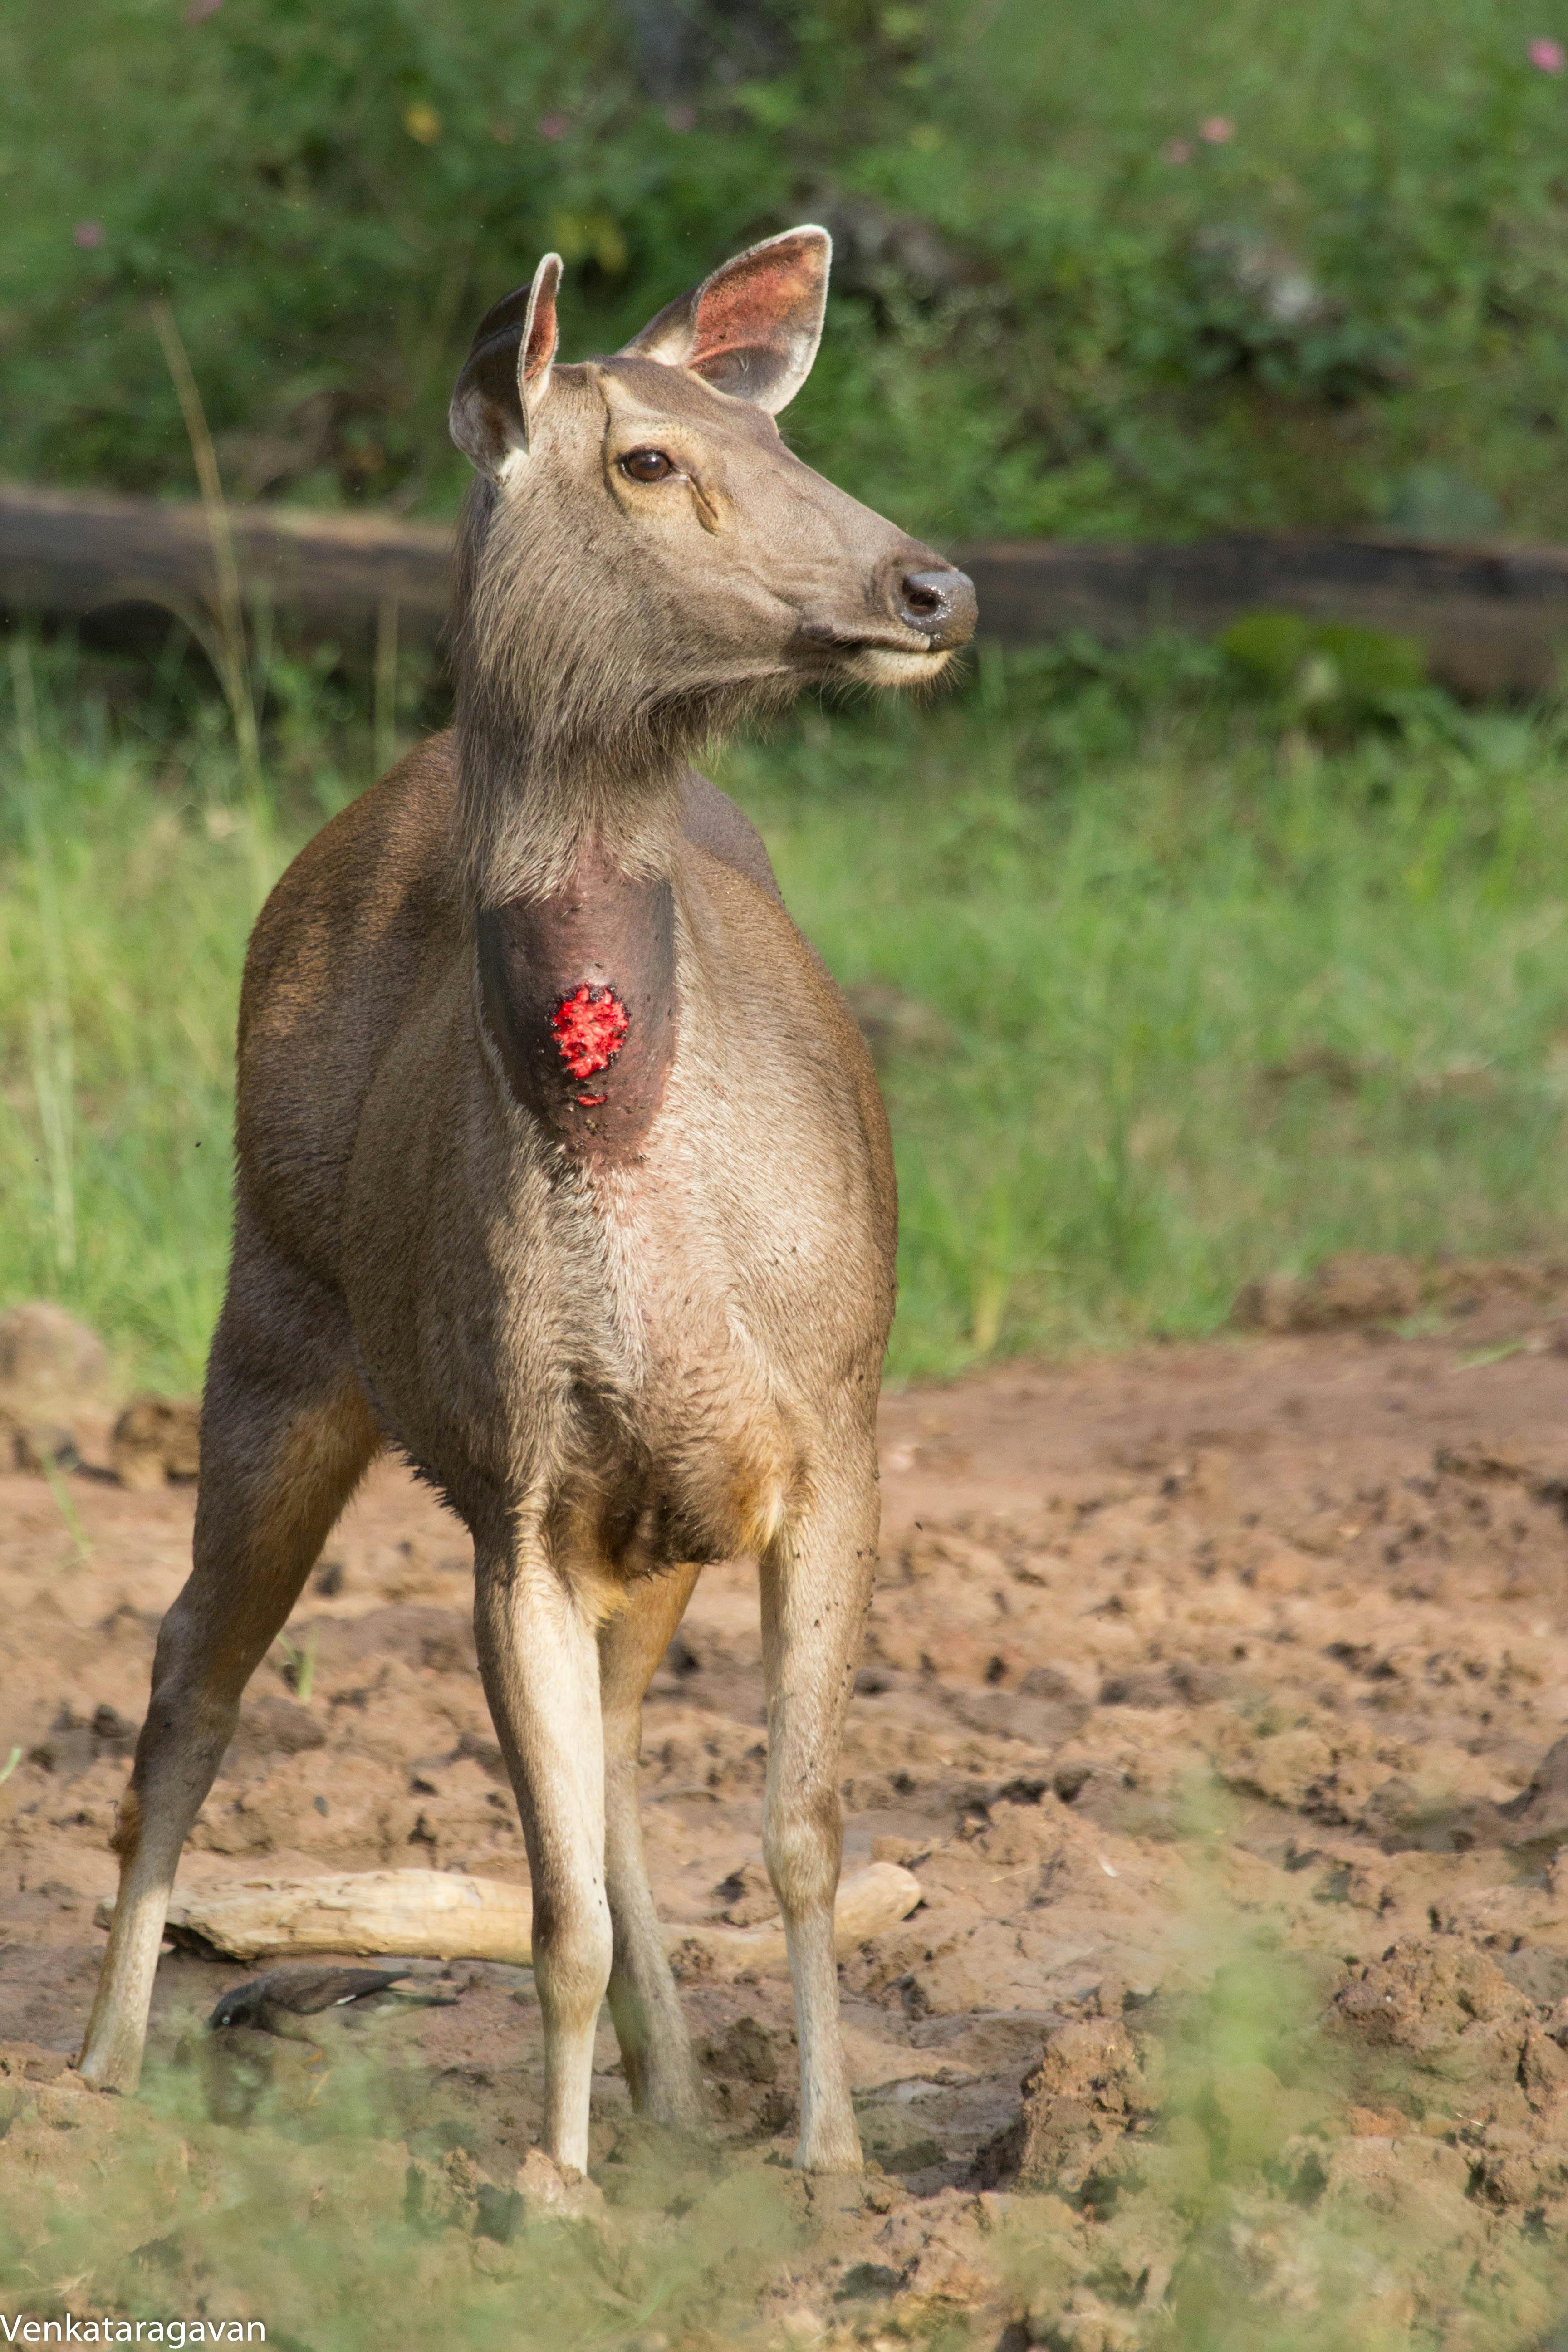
(752, 330)
(507, 373)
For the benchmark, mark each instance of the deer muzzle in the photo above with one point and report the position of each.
(939, 603)
(918, 610)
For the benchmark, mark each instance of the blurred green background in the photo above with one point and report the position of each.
(1120, 267)
(1194, 961)
(1173, 987)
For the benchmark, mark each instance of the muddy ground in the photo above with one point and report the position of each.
(1211, 1692)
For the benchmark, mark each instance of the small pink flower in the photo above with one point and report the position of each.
(86, 234)
(1218, 130)
(1548, 57)
(1177, 151)
(198, 11)
(552, 126)
(682, 118)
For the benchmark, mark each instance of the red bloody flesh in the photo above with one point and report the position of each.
(590, 1026)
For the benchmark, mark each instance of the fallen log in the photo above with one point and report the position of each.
(444, 1914)
(1493, 618)
(75, 555)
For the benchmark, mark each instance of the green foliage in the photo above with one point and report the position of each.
(132, 864)
(1221, 1002)
(1326, 673)
(1146, 269)
(1204, 996)
(297, 2207)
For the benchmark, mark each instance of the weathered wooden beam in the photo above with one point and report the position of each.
(71, 555)
(1493, 619)
(447, 1916)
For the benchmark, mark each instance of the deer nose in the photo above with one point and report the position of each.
(939, 602)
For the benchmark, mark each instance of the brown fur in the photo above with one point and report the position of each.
(615, 1367)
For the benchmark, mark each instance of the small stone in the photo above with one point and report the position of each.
(45, 1351)
(1354, 1288)
(36, 1445)
(1094, 2087)
(549, 2191)
(156, 1439)
(748, 1896)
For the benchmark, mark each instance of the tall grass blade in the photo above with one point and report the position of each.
(384, 727)
(234, 665)
(52, 1092)
(68, 1510)
(51, 1044)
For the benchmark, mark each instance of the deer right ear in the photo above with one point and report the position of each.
(752, 328)
(507, 373)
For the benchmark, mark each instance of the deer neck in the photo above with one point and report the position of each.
(575, 953)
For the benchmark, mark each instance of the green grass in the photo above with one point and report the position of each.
(1221, 1004)
(298, 2214)
(1221, 997)
(130, 871)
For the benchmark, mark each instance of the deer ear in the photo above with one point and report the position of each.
(507, 373)
(750, 330)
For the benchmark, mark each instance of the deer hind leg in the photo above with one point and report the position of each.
(539, 1656)
(816, 1589)
(287, 1434)
(655, 2049)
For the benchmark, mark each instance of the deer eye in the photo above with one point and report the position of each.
(647, 466)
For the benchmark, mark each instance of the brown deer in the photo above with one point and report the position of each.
(562, 1166)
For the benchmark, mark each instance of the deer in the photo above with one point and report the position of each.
(562, 1167)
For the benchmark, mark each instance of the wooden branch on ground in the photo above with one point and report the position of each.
(444, 1914)
(70, 555)
(1494, 619)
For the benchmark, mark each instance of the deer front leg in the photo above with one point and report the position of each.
(655, 2049)
(540, 1661)
(816, 1588)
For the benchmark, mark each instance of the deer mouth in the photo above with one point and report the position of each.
(874, 663)
(876, 656)
(919, 611)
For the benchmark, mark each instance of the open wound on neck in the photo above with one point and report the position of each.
(578, 991)
(590, 1026)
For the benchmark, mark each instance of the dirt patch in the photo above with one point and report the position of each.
(1214, 1693)
(1525, 1297)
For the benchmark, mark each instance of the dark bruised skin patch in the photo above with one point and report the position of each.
(579, 995)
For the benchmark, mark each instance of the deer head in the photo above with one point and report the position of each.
(645, 557)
